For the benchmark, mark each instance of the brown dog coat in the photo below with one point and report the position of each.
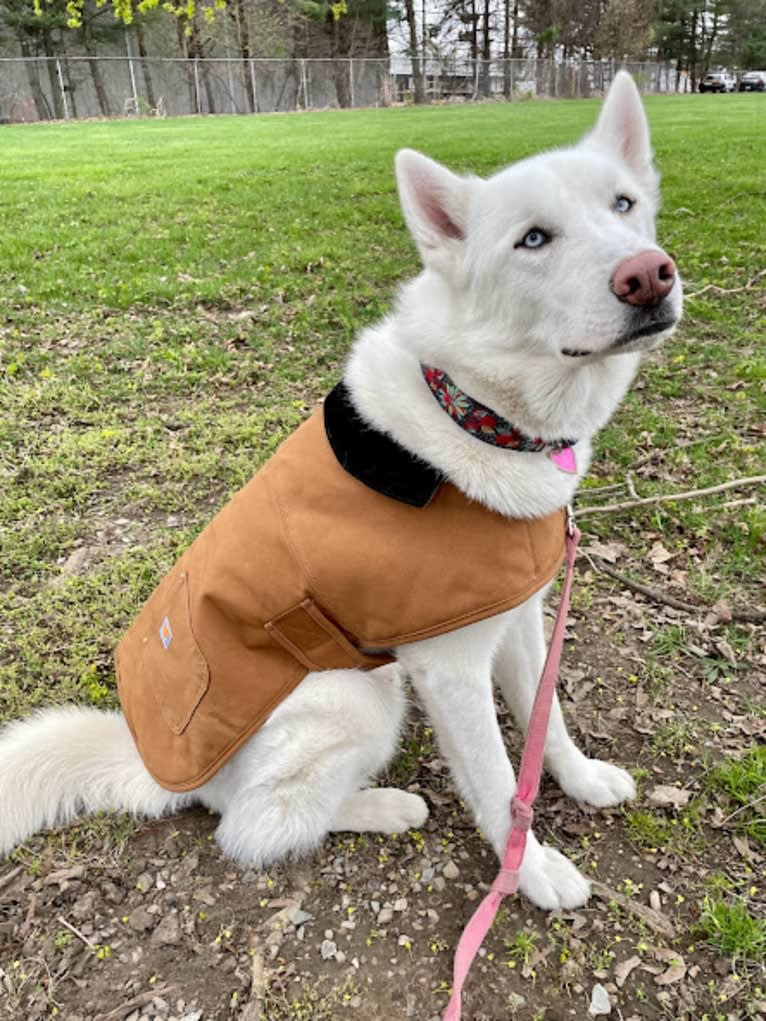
(310, 568)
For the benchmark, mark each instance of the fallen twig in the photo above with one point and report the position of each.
(598, 490)
(76, 932)
(130, 1005)
(655, 920)
(658, 595)
(726, 290)
(746, 501)
(26, 925)
(253, 1009)
(753, 480)
(742, 808)
(8, 878)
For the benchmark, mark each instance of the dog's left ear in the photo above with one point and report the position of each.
(435, 205)
(623, 128)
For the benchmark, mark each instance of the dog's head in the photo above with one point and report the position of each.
(556, 254)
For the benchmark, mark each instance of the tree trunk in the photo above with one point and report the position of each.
(486, 52)
(145, 67)
(50, 63)
(98, 85)
(239, 13)
(507, 48)
(42, 107)
(417, 72)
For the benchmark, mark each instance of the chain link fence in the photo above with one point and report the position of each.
(66, 88)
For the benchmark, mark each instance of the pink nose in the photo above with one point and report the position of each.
(644, 279)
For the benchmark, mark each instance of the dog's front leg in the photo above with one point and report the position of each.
(517, 668)
(452, 676)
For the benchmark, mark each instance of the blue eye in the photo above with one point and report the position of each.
(623, 204)
(534, 238)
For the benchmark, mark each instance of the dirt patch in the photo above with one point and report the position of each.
(157, 925)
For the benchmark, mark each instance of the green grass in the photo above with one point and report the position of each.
(744, 780)
(177, 294)
(729, 926)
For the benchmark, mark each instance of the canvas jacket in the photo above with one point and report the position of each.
(342, 547)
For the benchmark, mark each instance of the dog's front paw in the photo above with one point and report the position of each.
(598, 783)
(551, 881)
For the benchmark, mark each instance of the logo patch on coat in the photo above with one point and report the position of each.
(166, 633)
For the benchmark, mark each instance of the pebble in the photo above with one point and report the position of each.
(85, 906)
(385, 915)
(328, 950)
(400, 904)
(450, 870)
(168, 932)
(144, 883)
(599, 1001)
(140, 920)
(298, 916)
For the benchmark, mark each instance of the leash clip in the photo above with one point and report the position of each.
(571, 523)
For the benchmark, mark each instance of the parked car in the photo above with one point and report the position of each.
(753, 81)
(718, 81)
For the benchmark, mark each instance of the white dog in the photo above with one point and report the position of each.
(542, 287)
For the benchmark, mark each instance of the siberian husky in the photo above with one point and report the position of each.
(542, 288)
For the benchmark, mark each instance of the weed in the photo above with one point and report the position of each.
(744, 780)
(730, 927)
(521, 947)
(675, 738)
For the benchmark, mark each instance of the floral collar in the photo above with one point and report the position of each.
(486, 425)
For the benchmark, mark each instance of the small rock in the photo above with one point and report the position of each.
(204, 896)
(599, 1001)
(168, 932)
(328, 950)
(144, 883)
(140, 920)
(298, 916)
(439, 883)
(85, 906)
(400, 904)
(385, 915)
(450, 870)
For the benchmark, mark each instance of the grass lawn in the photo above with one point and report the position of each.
(177, 294)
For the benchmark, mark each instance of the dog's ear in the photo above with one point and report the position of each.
(623, 128)
(435, 206)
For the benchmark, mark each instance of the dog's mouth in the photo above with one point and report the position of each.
(649, 329)
(625, 340)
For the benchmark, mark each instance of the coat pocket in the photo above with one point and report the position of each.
(172, 660)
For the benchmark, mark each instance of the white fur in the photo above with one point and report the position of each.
(498, 318)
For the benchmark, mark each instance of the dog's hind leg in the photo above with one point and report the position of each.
(517, 670)
(301, 776)
(380, 810)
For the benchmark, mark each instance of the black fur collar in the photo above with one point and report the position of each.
(374, 458)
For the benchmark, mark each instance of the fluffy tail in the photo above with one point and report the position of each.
(65, 762)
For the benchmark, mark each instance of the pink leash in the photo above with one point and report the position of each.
(507, 880)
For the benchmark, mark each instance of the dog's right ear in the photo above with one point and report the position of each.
(435, 206)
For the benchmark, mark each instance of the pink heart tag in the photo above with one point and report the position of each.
(564, 459)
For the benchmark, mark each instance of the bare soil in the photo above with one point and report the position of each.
(96, 924)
